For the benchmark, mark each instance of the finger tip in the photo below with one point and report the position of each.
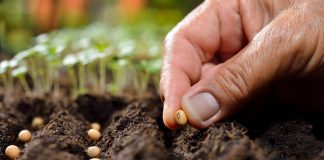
(169, 122)
(168, 118)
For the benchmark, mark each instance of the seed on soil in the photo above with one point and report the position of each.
(95, 125)
(12, 152)
(37, 122)
(94, 134)
(180, 117)
(24, 136)
(95, 159)
(93, 151)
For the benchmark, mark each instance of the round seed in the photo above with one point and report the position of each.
(180, 117)
(95, 159)
(24, 136)
(37, 122)
(95, 125)
(94, 134)
(93, 151)
(12, 152)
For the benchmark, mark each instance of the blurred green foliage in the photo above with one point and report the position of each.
(118, 51)
(18, 26)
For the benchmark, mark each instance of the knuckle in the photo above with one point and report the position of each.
(173, 38)
(233, 82)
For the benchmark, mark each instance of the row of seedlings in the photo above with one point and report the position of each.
(88, 60)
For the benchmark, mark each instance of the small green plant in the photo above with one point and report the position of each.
(95, 59)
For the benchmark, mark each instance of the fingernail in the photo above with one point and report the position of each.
(203, 105)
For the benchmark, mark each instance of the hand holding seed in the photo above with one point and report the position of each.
(226, 52)
(180, 117)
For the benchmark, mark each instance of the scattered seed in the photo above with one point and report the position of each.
(93, 151)
(12, 152)
(37, 122)
(95, 125)
(24, 136)
(180, 117)
(94, 134)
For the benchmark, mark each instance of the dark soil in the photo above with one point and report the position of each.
(134, 130)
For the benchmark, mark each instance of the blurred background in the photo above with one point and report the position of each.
(21, 20)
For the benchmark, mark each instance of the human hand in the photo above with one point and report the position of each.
(226, 51)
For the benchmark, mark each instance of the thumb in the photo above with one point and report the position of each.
(280, 50)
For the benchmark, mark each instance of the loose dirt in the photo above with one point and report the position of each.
(133, 129)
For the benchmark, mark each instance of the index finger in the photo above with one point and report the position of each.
(186, 48)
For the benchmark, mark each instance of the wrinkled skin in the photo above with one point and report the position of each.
(233, 49)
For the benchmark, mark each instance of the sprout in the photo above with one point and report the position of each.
(129, 53)
(4, 66)
(82, 43)
(89, 55)
(24, 54)
(70, 60)
(20, 73)
(126, 48)
(154, 50)
(12, 63)
(40, 48)
(42, 38)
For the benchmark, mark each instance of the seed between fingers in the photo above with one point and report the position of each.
(180, 117)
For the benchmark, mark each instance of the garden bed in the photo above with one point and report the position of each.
(133, 129)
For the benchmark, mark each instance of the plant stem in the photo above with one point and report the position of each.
(73, 80)
(5, 81)
(81, 78)
(24, 84)
(102, 76)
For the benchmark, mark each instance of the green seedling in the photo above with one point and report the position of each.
(126, 60)
(20, 73)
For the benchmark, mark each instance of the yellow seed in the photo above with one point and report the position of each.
(24, 136)
(94, 134)
(93, 151)
(180, 117)
(12, 152)
(37, 122)
(95, 125)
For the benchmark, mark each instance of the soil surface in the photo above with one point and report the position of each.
(134, 130)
